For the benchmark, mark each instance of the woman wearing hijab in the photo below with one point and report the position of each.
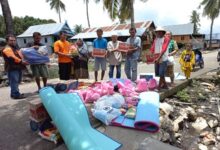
(81, 61)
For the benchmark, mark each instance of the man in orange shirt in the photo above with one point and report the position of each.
(62, 49)
(13, 66)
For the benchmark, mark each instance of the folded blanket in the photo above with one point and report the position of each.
(33, 56)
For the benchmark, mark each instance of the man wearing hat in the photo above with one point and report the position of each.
(160, 46)
(114, 56)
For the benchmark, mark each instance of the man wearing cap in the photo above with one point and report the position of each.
(160, 46)
(132, 55)
(114, 56)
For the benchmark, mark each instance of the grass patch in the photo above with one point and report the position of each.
(183, 96)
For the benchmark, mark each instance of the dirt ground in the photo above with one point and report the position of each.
(193, 122)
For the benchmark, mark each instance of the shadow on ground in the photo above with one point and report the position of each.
(14, 123)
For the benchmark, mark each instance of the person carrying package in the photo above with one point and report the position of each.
(13, 66)
(81, 61)
(62, 49)
(172, 49)
(38, 70)
(160, 46)
(114, 56)
(132, 55)
(101, 44)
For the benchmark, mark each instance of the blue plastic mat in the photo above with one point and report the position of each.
(147, 114)
(71, 118)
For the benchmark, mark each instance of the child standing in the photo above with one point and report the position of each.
(187, 60)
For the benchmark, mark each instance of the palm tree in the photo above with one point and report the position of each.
(57, 5)
(78, 28)
(194, 18)
(87, 10)
(211, 10)
(123, 9)
(7, 16)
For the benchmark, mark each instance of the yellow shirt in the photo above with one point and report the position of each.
(63, 47)
(187, 59)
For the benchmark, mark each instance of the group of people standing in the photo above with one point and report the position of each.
(163, 44)
(114, 55)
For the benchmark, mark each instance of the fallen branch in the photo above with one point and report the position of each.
(184, 103)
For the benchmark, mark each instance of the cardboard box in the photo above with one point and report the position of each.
(99, 52)
(151, 58)
(37, 111)
(124, 47)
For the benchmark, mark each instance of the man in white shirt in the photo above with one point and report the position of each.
(114, 56)
(160, 47)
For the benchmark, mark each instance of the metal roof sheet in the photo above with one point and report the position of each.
(47, 29)
(182, 29)
(120, 29)
(90, 35)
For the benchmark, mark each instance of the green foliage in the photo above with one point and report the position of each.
(183, 96)
(22, 23)
(78, 28)
(194, 18)
(121, 9)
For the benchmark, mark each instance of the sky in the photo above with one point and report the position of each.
(161, 12)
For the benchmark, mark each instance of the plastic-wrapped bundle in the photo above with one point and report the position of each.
(36, 56)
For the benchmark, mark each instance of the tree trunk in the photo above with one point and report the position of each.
(59, 12)
(87, 12)
(132, 13)
(210, 39)
(7, 17)
(59, 16)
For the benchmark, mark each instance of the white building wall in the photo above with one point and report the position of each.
(46, 40)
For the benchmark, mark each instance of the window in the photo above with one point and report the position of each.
(182, 38)
(45, 40)
(25, 41)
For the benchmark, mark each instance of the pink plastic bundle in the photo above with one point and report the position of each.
(131, 100)
(127, 88)
(142, 85)
(91, 96)
(105, 88)
(152, 84)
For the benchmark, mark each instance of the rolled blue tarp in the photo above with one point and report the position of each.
(71, 118)
(32, 56)
(147, 114)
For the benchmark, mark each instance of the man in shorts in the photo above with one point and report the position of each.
(38, 70)
(62, 49)
(100, 43)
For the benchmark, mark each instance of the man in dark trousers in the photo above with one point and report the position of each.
(13, 66)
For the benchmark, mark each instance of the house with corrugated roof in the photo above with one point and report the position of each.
(215, 40)
(183, 33)
(49, 32)
(144, 30)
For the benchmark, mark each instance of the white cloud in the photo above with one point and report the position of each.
(162, 12)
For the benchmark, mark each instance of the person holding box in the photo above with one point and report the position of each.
(114, 57)
(100, 46)
(132, 55)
